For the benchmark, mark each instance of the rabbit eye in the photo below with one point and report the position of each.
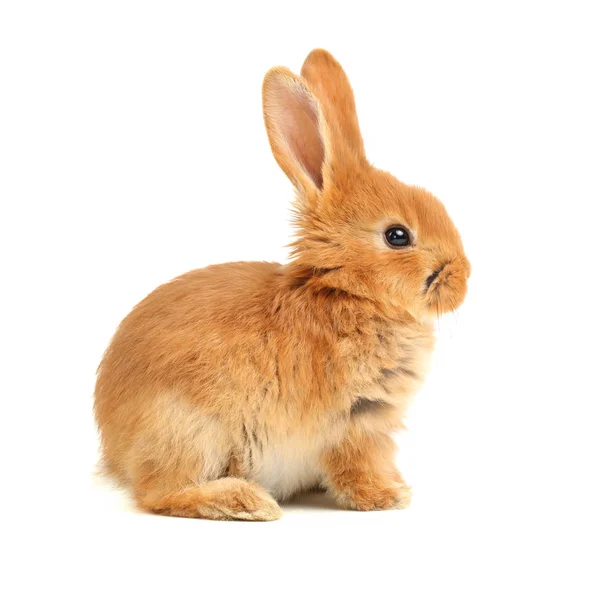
(397, 237)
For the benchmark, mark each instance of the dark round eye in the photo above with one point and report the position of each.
(397, 237)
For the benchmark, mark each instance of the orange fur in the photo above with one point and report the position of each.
(240, 383)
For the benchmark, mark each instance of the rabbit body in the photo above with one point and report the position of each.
(216, 373)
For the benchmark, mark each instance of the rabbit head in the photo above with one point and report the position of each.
(360, 230)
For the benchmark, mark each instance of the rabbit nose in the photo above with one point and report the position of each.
(434, 276)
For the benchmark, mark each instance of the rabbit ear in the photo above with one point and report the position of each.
(332, 88)
(296, 129)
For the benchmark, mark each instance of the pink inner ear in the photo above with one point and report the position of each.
(299, 126)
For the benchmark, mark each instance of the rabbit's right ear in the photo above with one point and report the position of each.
(296, 129)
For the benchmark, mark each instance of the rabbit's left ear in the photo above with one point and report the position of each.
(331, 86)
(296, 129)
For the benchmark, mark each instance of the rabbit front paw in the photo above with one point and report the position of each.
(368, 495)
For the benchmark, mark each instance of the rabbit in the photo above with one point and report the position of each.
(234, 387)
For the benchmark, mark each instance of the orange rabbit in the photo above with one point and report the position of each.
(237, 385)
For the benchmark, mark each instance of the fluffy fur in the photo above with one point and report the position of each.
(241, 384)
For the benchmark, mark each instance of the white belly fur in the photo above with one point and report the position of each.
(289, 466)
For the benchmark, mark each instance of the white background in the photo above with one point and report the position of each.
(132, 149)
